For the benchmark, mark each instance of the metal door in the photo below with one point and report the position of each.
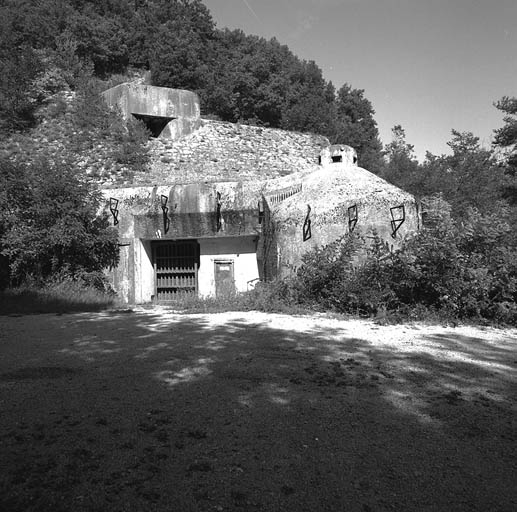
(224, 278)
(175, 268)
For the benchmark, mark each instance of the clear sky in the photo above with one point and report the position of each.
(429, 65)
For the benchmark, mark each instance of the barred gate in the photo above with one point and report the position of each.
(175, 269)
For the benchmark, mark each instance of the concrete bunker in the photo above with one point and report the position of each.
(217, 239)
(168, 113)
(211, 236)
(205, 244)
(165, 270)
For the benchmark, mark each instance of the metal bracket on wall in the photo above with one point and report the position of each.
(114, 210)
(218, 212)
(165, 209)
(352, 218)
(398, 216)
(307, 234)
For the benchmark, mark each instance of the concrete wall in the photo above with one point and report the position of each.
(330, 193)
(261, 241)
(120, 277)
(373, 218)
(133, 280)
(144, 272)
(192, 210)
(192, 214)
(182, 107)
(240, 250)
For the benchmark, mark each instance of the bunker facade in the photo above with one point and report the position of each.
(225, 206)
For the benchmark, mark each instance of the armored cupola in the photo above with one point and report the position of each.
(338, 154)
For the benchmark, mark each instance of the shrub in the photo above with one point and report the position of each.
(49, 224)
(459, 269)
(323, 270)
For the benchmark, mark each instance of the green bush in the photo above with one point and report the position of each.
(458, 269)
(323, 271)
(466, 267)
(49, 224)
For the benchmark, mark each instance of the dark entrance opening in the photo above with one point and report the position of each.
(337, 159)
(176, 265)
(155, 124)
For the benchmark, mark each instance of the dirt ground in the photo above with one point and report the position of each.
(147, 410)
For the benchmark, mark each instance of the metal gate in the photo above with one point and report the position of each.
(175, 269)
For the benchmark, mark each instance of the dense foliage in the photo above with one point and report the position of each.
(49, 225)
(470, 176)
(460, 265)
(459, 269)
(238, 77)
(354, 124)
(506, 142)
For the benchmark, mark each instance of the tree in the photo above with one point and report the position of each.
(174, 40)
(310, 102)
(18, 99)
(179, 58)
(356, 127)
(49, 223)
(467, 178)
(401, 167)
(251, 79)
(477, 181)
(507, 135)
(398, 145)
(260, 81)
(101, 40)
(506, 141)
(33, 24)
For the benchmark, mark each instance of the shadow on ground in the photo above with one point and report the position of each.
(145, 411)
(39, 301)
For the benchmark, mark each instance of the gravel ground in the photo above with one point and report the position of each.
(148, 410)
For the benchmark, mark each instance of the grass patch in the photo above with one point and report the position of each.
(65, 297)
(278, 297)
(265, 297)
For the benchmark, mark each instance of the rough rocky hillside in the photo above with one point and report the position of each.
(221, 151)
(111, 153)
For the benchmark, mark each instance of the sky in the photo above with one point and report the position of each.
(428, 65)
